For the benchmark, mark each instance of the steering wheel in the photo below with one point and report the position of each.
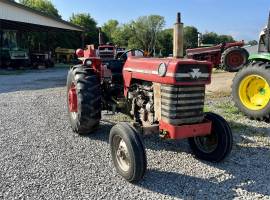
(126, 52)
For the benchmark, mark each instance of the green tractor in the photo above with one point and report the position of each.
(251, 85)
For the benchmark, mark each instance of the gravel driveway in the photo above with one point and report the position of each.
(41, 158)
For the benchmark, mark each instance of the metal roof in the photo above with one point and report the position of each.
(16, 12)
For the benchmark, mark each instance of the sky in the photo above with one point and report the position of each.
(243, 19)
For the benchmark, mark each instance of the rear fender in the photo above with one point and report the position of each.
(234, 44)
(260, 56)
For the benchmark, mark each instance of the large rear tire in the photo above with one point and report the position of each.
(84, 99)
(251, 90)
(234, 58)
(128, 152)
(216, 146)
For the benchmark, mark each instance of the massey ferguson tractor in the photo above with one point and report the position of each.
(163, 96)
(251, 85)
(228, 56)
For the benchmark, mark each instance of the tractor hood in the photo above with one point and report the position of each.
(167, 71)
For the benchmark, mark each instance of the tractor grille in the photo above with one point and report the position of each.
(191, 73)
(182, 104)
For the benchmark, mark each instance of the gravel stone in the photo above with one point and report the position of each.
(41, 158)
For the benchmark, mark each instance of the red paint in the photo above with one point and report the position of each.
(80, 53)
(127, 81)
(90, 51)
(152, 64)
(186, 131)
(235, 59)
(72, 99)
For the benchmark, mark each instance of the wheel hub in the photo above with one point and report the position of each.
(235, 59)
(254, 92)
(207, 144)
(72, 99)
(122, 156)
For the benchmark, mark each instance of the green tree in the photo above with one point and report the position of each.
(122, 35)
(89, 24)
(109, 28)
(44, 6)
(210, 38)
(145, 31)
(225, 38)
(252, 42)
(165, 42)
(214, 38)
(190, 37)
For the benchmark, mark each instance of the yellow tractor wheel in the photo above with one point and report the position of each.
(251, 90)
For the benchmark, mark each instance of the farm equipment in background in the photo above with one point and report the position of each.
(41, 59)
(251, 85)
(14, 57)
(12, 54)
(108, 51)
(64, 55)
(228, 56)
(163, 96)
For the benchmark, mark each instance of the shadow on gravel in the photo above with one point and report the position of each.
(249, 177)
(247, 168)
(153, 142)
(33, 80)
(244, 130)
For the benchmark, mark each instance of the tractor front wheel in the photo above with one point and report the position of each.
(128, 152)
(234, 58)
(84, 99)
(216, 146)
(251, 90)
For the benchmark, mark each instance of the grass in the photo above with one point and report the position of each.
(228, 108)
(215, 95)
(206, 109)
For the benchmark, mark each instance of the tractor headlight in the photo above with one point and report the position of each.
(88, 63)
(162, 69)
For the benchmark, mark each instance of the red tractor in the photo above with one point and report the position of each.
(228, 56)
(163, 96)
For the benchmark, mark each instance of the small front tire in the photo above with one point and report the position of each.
(216, 146)
(128, 152)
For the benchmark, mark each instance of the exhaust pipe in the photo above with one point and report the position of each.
(178, 38)
(100, 37)
(199, 39)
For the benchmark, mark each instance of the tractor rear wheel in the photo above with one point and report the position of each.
(251, 90)
(84, 99)
(216, 146)
(234, 58)
(128, 152)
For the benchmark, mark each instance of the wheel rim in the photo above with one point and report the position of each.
(254, 92)
(207, 144)
(235, 59)
(73, 100)
(122, 154)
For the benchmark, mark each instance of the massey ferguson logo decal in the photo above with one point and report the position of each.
(195, 74)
